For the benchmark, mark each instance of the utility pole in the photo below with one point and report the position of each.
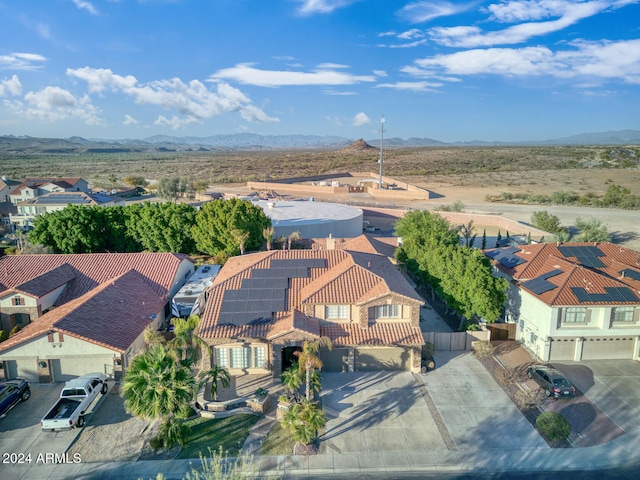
(381, 144)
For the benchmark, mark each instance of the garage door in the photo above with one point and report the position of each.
(66, 368)
(607, 348)
(375, 359)
(562, 350)
(25, 368)
(336, 360)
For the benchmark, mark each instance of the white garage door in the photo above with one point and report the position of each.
(562, 349)
(66, 368)
(608, 348)
(24, 367)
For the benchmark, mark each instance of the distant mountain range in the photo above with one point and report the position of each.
(250, 141)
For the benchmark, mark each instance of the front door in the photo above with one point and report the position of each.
(288, 356)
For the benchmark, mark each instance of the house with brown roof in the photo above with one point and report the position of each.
(83, 313)
(573, 301)
(261, 307)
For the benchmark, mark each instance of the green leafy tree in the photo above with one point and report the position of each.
(170, 188)
(309, 361)
(157, 387)
(484, 239)
(592, 230)
(74, 229)
(304, 420)
(135, 181)
(214, 375)
(162, 227)
(546, 221)
(216, 221)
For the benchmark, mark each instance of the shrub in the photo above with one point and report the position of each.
(482, 348)
(3, 335)
(526, 399)
(506, 375)
(156, 442)
(553, 426)
(14, 330)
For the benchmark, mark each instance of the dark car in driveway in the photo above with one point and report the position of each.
(554, 383)
(12, 392)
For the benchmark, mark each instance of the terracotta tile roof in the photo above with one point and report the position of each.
(47, 282)
(380, 333)
(112, 315)
(590, 282)
(347, 276)
(91, 270)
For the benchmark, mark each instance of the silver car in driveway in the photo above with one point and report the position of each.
(554, 383)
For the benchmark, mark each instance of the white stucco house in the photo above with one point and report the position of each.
(573, 301)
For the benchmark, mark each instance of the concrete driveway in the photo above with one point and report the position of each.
(20, 430)
(457, 407)
(612, 388)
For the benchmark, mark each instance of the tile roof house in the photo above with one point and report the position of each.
(262, 306)
(83, 313)
(37, 196)
(573, 301)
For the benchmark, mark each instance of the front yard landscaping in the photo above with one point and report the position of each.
(278, 441)
(227, 434)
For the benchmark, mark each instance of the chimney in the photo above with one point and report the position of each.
(331, 242)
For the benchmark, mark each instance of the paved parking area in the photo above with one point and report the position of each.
(477, 412)
(386, 412)
(20, 430)
(612, 386)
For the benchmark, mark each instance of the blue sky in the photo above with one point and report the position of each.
(451, 71)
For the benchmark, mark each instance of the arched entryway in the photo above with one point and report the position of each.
(288, 356)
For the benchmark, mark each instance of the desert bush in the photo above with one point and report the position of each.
(506, 375)
(526, 399)
(553, 426)
(482, 348)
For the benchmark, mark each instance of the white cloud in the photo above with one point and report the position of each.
(100, 79)
(193, 101)
(21, 61)
(420, 12)
(11, 86)
(329, 91)
(309, 7)
(361, 119)
(568, 13)
(129, 120)
(248, 75)
(55, 103)
(84, 5)
(411, 86)
(596, 60)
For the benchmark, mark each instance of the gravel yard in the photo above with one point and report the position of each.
(112, 434)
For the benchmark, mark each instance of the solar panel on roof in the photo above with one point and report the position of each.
(628, 272)
(539, 285)
(587, 255)
(611, 295)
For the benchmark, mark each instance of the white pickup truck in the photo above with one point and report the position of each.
(76, 397)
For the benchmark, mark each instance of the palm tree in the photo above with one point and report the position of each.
(308, 359)
(240, 236)
(215, 374)
(468, 232)
(157, 387)
(152, 336)
(304, 420)
(268, 233)
(291, 380)
(186, 345)
(293, 236)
